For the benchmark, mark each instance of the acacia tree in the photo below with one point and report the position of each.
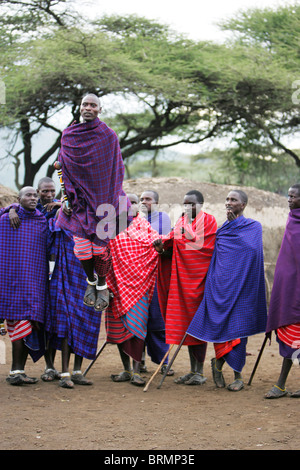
(183, 91)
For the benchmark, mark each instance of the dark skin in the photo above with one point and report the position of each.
(192, 207)
(90, 108)
(28, 199)
(46, 194)
(124, 357)
(279, 388)
(234, 208)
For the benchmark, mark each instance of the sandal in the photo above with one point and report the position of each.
(295, 394)
(124, 376)
(19, 377)
(49, 375)
(65, 381)
(90, 293)
(184, 378)
(137, 380)
(15, 378)
(196, 379)
(164, 368)
(79, 379)
(217, 374)
(102, 299)
(276, 392)
(236, 386)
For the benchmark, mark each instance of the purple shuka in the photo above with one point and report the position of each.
(93, 173)
(285, 298)
(24, 268)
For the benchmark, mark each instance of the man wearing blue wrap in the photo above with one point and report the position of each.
(234, 302)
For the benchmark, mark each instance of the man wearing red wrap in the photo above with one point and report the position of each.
(181, 281)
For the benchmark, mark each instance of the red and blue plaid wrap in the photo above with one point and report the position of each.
(24, 268)
(93, 173)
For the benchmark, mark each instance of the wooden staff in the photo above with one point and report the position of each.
(257, 360)
(94, 360)
(158, 368)
(57, 166)
(171, 362)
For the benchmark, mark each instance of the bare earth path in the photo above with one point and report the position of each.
(112, 416)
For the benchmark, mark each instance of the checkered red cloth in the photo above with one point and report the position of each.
(134, 265)
(93, 173)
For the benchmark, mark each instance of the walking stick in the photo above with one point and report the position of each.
(57, 166)
(257, 360)
(94, 360)
(171, 362)
(158, 368)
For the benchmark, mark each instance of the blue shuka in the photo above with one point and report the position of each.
(234, 302)
(24, 268)
(69, 316)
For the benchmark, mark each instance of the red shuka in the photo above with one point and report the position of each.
(181, 281)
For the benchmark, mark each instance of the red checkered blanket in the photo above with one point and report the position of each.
(134, 265)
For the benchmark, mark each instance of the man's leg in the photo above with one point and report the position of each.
(77, 376)
(279, 390)
(65, 380)
(126, 374)
(17, 374)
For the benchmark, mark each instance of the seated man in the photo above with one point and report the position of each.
(234, 302)
(24, 278)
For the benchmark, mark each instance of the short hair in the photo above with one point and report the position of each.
(45, 179)
(91, 94)
(296, 186)
(155, 194)
(242, 195)
(199, 196)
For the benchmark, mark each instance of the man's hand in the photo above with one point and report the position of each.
(66, 210)
(14, 218)
(230, 215)
(158, 245)
(53, 204)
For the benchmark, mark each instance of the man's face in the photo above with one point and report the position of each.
(90, 108)
(147, 200)
(234, 204)
(294, 198)
(46, 193)
(134, 209)
(28, 198)
(191, 205)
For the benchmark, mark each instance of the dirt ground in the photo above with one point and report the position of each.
(110, 416)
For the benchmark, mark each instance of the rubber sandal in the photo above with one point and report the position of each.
(65, 381)
(276, 392)
(137, 380)
(184, 378)
(164, 368)
(124, 376)
(102, 300)
(79, 379)
(49, 375)
(196, 379)
(236, 386)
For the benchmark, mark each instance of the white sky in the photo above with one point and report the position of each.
(195, 18)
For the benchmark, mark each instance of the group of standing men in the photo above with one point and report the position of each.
(159, 286)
